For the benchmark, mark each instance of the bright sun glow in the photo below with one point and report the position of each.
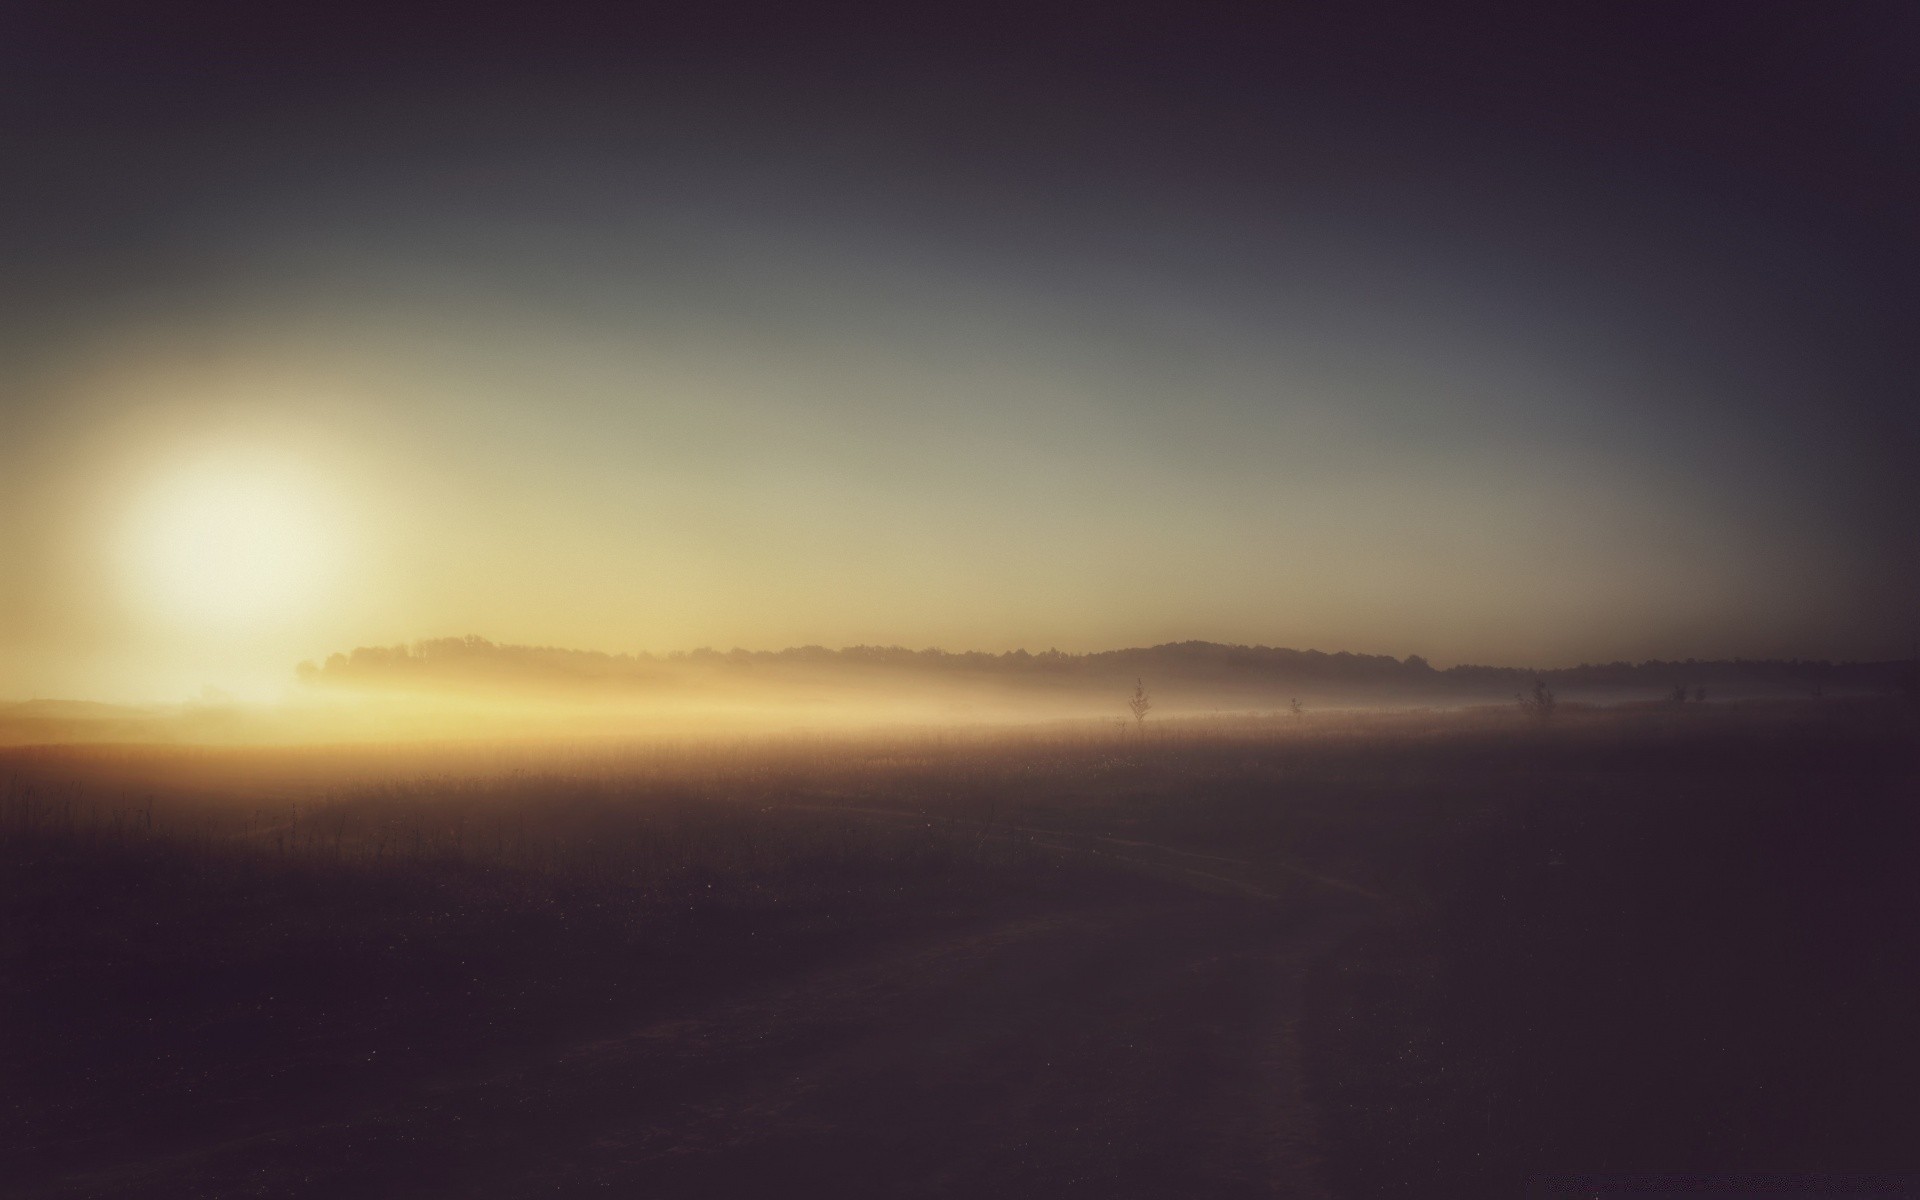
(232, 545)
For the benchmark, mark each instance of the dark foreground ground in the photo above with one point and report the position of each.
(1419, 957)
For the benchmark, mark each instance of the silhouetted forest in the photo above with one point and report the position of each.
(1216, 670)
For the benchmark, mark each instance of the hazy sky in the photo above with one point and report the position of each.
(1497, 335)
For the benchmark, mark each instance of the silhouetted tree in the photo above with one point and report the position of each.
(1296, 708)
(1679, 693)
(1538, 703)
(1140, 704)
(1699, 695)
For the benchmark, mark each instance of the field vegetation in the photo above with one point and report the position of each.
(1493, 944)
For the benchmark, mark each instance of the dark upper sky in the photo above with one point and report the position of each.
(1642, 275)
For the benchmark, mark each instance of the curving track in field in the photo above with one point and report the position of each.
(1139, 1045)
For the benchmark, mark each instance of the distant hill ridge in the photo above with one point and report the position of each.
(476, 658)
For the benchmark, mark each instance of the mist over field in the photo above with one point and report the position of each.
(455, 688)
(1192, 677)
(1296, 602)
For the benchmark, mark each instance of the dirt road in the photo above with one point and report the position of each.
(1141, 1045)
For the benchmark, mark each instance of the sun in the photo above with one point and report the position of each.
(230, 544)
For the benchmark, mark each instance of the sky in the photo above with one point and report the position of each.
(1496, 334)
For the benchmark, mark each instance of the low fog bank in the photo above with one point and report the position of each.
(1184, 678)
(460, 688)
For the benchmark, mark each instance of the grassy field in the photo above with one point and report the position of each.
(1359, 955)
